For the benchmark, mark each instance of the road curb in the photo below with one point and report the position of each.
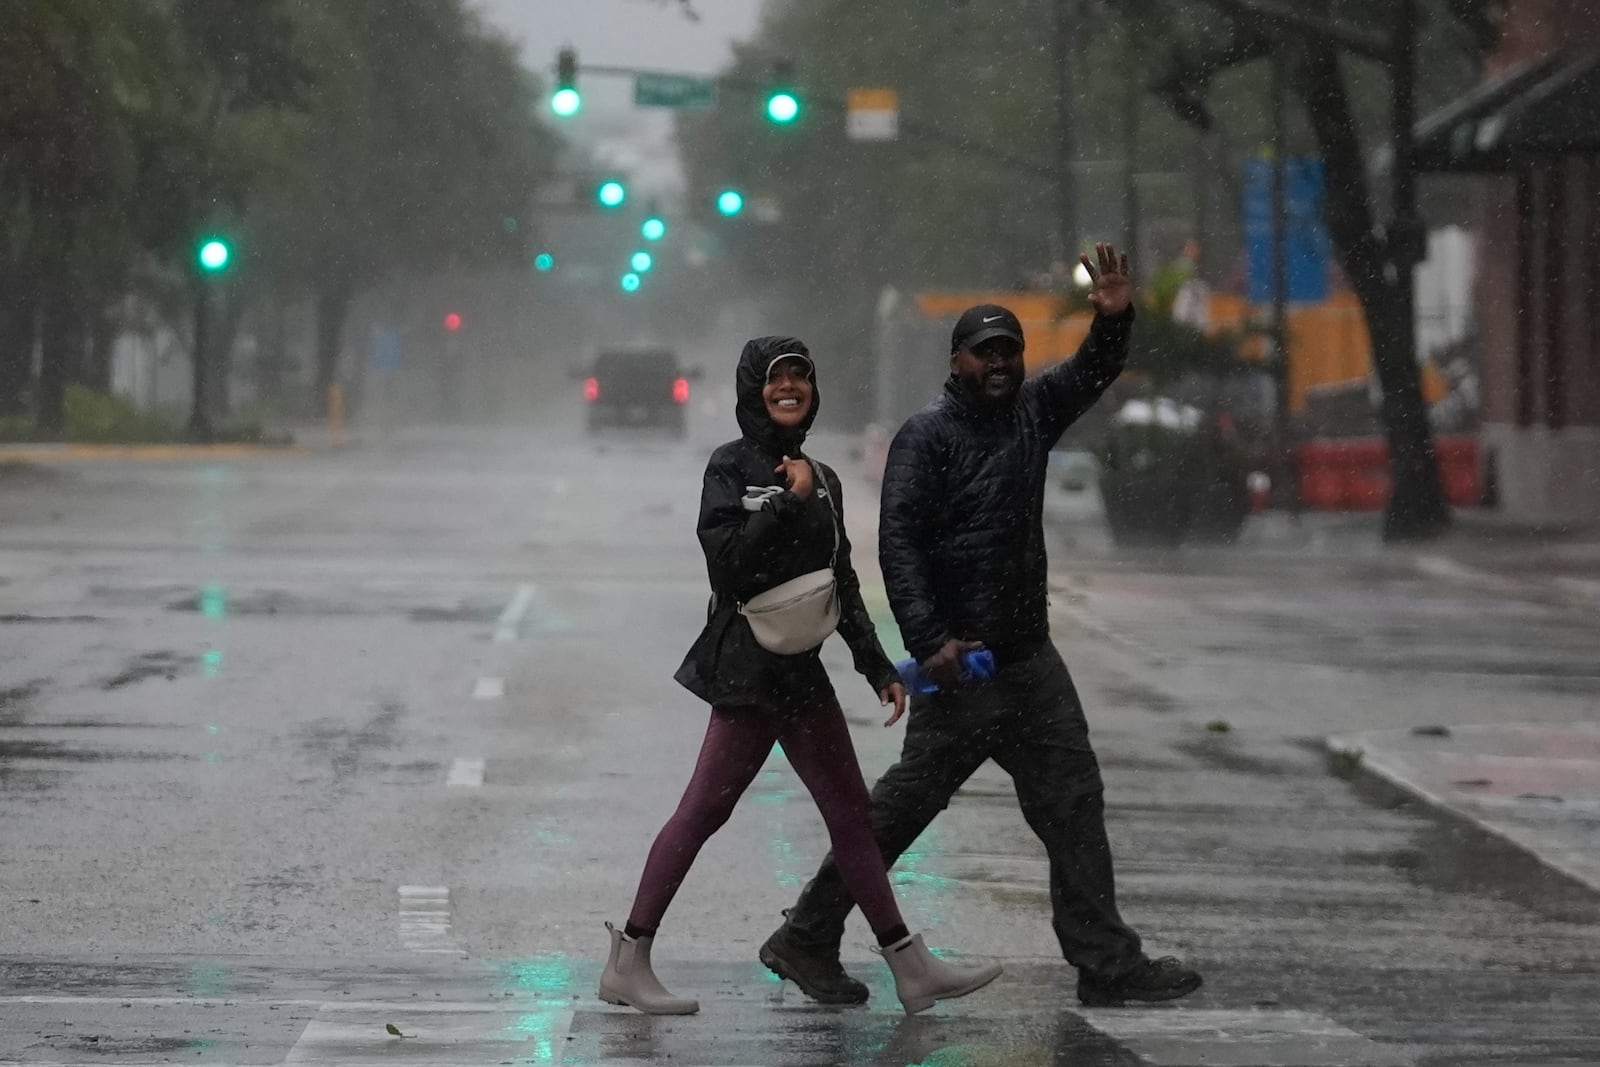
(1362, 760)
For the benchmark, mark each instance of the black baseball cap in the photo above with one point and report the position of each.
(979, 324)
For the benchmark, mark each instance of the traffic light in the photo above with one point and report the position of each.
(783, 104)
(730, 202)
(544, 261)
(566, 100)
(631, 282)
(611, 193)
(642, 262)
(452, 322)
(653, 228)
(213, 254)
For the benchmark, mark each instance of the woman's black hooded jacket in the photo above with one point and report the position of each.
(756, 534)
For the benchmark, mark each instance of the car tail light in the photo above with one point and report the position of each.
(680, 391)
(591, 389)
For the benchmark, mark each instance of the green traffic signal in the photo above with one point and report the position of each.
(612, 193)
(730, 202)
(642, 262)
(544, 261)
(783, 107)
(214, 254)
(631, 282)
(653, 229)
(566, 101)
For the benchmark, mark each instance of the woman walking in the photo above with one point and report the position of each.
(770, 516)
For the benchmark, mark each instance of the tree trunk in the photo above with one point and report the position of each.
(1416, 508)
(231, 313)
(200, 428)
(96, 370)
(19, 321)
(60, 352)
(333, 307)
(272, 355)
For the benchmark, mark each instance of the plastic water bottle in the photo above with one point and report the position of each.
(977, 665)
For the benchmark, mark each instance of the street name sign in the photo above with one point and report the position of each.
(673, 90)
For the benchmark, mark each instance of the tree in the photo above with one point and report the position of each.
(1377, 257)
(421, 154)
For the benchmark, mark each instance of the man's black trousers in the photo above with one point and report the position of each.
(1028, 719)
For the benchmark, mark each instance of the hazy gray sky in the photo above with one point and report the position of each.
(636, 33)
(626, 32)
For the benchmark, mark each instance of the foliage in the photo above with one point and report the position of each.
(96, 418)
(333, 142)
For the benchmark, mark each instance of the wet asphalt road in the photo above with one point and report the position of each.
(294, 748)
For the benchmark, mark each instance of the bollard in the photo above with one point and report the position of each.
(336, 414)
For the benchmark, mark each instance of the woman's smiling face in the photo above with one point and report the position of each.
(788, 391)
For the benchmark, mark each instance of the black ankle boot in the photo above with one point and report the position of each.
(813, 966)
(1150, 980)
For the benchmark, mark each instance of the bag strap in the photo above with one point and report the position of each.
(816, 473)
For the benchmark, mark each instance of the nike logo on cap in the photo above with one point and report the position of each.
(993, 318)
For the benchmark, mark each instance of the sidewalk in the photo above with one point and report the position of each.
(1536, 786)
(306, 439)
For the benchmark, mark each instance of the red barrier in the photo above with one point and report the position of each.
(1352, 473)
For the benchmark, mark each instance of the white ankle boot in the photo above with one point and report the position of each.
(920, 977)
(629, 980)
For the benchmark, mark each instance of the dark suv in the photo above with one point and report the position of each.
(638, 387)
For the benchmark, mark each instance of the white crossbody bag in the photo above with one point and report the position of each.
(798, 615)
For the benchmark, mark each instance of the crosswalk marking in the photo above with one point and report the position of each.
(1182, 1037)
(435, 1035)
(425, 920)
(466, 772)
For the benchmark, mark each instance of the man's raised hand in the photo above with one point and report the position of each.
(1112, 281)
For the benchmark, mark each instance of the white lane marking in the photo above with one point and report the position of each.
(1446, 569)
(509, 624)
(1090, 620)
(489, 689)
(424, 920)
(466, 772)
(442, 1034)
(1583, 587)
(1184, 1037)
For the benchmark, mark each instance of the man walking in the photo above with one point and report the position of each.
(961, 543)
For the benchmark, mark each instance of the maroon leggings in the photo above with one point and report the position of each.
(817, 743)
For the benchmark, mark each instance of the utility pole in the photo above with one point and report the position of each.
(1066, 234)
(1285, 490)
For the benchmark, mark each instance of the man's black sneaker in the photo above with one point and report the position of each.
(814, 967)
(1162, 979)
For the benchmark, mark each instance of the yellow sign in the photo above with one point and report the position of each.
(872, 114)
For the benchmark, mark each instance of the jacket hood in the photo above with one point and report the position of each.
(758, 356)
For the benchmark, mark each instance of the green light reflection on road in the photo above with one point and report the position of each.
(209, 980)
(214, 601)
(542, 974)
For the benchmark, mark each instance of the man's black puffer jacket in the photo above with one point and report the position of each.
(961, 534)
(756, 534)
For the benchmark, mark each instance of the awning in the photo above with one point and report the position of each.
(1536, 111)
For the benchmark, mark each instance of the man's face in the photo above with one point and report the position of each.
(993, 369)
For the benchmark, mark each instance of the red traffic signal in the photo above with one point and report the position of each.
(452, 322)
